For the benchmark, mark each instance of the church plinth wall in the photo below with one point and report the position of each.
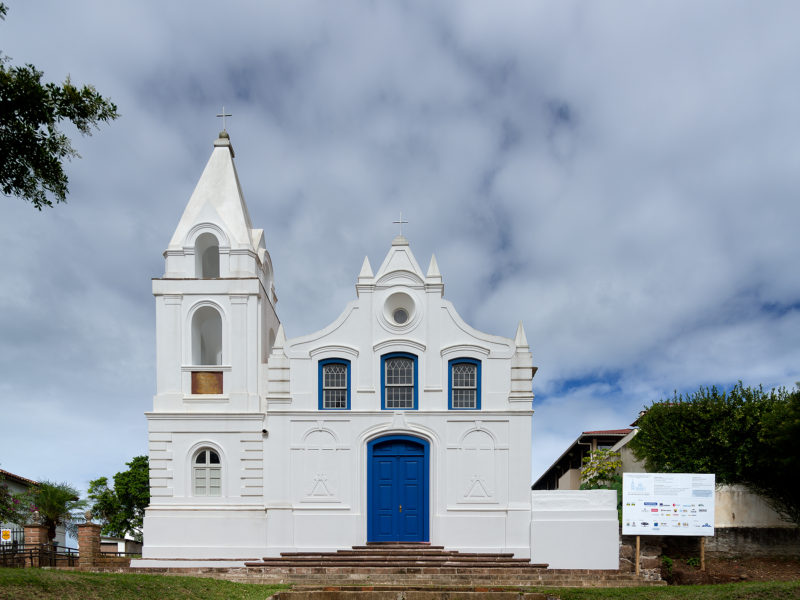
(314, 496)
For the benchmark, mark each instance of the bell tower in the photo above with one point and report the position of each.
(215, 304)
(215, 328)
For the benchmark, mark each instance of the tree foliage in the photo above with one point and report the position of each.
(745, 436)
(32, 145)
(121, 507)
(12, 508)
(601, 471)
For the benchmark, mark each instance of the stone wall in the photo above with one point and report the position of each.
(753, 541)
(649, 556)
(727, 542)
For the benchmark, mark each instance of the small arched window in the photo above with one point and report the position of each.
(207, 336)
(207, 473)
(206, 250)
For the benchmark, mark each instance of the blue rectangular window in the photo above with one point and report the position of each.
(399, 381)
(334, 384)
(464, 384)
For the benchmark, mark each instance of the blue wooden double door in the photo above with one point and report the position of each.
(397, 489)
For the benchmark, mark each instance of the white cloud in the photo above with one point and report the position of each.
(621, 178)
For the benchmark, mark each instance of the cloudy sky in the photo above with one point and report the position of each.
(623, 177)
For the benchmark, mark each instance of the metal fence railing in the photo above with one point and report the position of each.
(37, 555)
(12, 536)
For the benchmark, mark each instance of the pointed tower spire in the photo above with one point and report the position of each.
(217, 199)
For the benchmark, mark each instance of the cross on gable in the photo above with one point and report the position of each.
(400, 222)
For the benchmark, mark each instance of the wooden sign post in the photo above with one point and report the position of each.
(702, 553)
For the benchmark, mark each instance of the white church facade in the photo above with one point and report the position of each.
(396, 422)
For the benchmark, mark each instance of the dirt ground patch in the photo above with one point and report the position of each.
(727, 570)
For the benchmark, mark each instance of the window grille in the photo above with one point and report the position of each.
(399, 383)
(465, 385)
(334, 385)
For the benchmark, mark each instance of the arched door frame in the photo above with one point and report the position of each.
(424, 444)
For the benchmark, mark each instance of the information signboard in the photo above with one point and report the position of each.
(668, 504)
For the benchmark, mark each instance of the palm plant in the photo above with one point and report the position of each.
(57, 504)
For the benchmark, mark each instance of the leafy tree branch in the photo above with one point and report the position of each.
(33, 148)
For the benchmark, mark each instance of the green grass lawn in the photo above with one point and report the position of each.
(46, 584)
(41, 584)
(772, 590)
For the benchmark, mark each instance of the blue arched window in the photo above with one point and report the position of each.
(399, 379)
(334, 384)
(464, 384)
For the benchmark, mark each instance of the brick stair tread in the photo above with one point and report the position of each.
(464, 577)
(410, 595)
(418, 566)
(492, 583)
(404, 556)
(322, 574)
(397, 545)
(433, 560)
(393, 555)
(392, 564)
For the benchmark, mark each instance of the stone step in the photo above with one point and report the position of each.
(397, 545)
(391, 564)
(397, 555)
(318, 579)
(408, 595)
(414, 567)
(403, 552)
(556, 580)
(488, 558)
(341, 578)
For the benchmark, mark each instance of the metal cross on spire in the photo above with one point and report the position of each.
(223, 114)
(400, 222)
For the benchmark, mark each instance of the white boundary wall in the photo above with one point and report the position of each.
(575, 529)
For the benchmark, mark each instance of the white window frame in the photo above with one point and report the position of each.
(206, 472)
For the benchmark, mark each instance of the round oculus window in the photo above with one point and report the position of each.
(399, 310)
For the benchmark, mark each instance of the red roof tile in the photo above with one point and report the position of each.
(11, 477)
(609, 432)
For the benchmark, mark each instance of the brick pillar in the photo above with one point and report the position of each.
(88, 544)
(35, 538)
